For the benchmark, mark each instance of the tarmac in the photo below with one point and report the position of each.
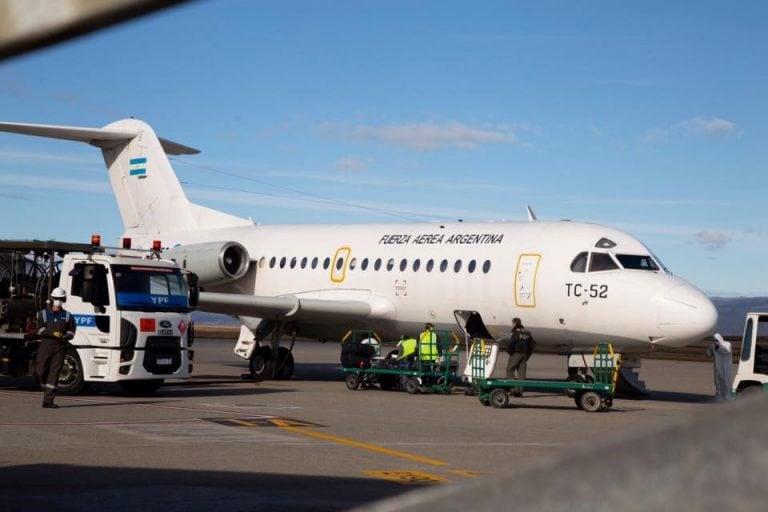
(306, 444)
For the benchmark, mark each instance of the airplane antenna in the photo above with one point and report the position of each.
(531, 215)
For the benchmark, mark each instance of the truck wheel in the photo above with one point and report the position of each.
(71, 379)
(499, 398)
(261, 364)
(590, 401)
(412, 386)
(752, 390)
(141, 387)
(284, 364)
(353, 381)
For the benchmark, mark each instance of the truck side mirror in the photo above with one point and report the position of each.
(194, 289)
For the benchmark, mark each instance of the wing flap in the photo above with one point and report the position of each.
(287, 307)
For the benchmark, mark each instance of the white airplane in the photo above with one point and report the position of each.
(573, 284)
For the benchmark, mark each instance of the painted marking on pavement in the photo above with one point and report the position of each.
(408, 477)
(357, 444)
(262, 421)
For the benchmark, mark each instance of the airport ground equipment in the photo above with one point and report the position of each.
(365, 367)
(132, 310)
(589, 396)
(752, 372)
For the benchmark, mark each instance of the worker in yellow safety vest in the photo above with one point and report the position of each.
(428, 352)
(407, 348)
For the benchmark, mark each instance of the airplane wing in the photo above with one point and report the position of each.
(293, 307)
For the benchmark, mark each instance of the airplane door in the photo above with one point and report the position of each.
(339, 264)
(525, 280)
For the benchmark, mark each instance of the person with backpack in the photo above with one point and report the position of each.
(520, 348)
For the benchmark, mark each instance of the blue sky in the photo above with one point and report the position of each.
(645, 116)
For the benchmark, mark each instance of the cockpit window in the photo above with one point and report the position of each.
(601, 261)
(637, 262)
(579, 263)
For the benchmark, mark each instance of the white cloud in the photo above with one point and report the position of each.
(712, 239)
(349, 163)
(694, 127)
(427, 136)
(707, 126)
(51, 183)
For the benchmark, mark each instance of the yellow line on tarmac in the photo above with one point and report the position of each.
(358, 444)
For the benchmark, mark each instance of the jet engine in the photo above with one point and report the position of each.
(213, 262)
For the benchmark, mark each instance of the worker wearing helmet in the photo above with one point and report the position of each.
(55, 326)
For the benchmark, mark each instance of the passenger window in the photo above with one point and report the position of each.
(390, 264)
(339, 263)
(304, 262)
(364, 264)
(486, 266)
(403, 264)
(579, 263)
(352, 263)
(314, 263)
(430, 265)
(443, 265)
(457, 266)
(326, 263)
(471, 266)
(272, 262)
(282, 262)
(416, 265)
(293, 262)
(601, 261)
(377, 265)
(262, 261)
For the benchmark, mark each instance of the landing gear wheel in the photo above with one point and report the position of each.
(71, 379)
(353, 381)
(412, 386)
(590, 401)
(284, 365)
(262, 364)
(499, 398)
(141, 387)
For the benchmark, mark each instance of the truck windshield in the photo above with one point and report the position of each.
(150, 288)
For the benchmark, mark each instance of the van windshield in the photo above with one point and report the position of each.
(637, 262)
(150, 288)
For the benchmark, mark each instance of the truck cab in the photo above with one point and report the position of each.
(752, 371)
(132, 310)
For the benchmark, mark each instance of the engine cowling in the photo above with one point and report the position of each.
(213, 262)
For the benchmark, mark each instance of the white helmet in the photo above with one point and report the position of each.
(59, 294)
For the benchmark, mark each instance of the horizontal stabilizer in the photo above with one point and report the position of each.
(99, 137)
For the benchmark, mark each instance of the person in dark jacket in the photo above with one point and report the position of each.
(520, 348)
(55, 326)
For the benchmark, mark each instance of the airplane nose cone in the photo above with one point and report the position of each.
(686, 315)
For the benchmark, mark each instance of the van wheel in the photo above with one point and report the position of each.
(71, 378)
(141, 387)
(412, 386)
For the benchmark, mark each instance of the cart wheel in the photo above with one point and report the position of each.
(412, 386)
(590, 401)
(353, 381)
(499, 398)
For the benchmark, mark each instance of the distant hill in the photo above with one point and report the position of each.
(732, 311)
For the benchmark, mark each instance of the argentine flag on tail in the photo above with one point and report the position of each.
(139, 167)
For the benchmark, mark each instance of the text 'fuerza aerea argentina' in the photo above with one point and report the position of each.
(439, 238)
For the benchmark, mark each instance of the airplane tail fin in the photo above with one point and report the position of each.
(150, 198)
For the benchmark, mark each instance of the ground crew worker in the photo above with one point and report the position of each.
(520, 348)
(720, 350)
(428, 352)
(55, 326)
(407, 348)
